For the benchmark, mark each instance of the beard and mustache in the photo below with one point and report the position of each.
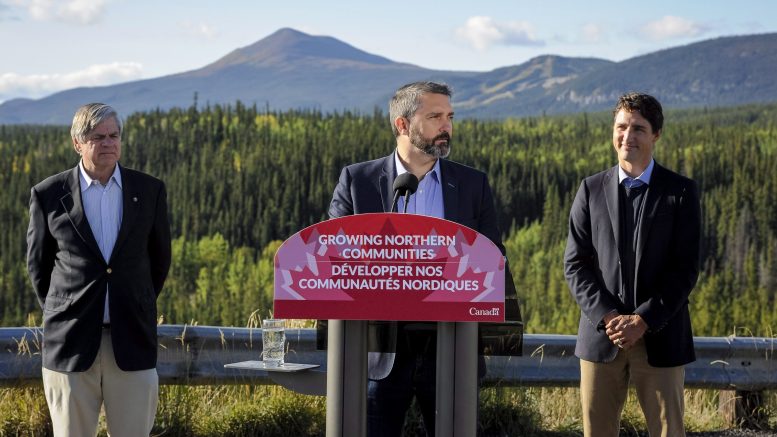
(430, 146)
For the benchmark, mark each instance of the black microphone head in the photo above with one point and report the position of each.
(406, 182)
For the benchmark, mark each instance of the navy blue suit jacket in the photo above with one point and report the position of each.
(367, 187)
(69, 274)
(667, 264)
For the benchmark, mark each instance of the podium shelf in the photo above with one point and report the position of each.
(261, 365)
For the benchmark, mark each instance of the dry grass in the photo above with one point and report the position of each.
(560, 410)
(23, 412)
(235, 410)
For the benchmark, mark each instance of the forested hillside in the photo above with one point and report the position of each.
(240, 179)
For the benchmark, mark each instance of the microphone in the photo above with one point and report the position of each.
(404, 185)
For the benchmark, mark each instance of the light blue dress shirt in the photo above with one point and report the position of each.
(103, 208)
(644, 178)
(428, 198)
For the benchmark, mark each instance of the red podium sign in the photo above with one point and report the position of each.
(389, 267)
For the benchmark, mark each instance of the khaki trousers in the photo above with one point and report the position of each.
(604, 387)
(129, 398)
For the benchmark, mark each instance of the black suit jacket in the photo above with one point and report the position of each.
(69, 274)
(367, 187)
(667, 264)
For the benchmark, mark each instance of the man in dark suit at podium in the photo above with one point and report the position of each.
(422, 121)
(632, 259)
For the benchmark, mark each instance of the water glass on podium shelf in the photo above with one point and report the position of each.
(273, 342)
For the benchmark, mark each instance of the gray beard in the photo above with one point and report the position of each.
(429, 147)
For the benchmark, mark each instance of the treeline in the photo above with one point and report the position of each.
(240, 179)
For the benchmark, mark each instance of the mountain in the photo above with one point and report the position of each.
(288, 69)
(507, 91)
(292, 70)
(718, 72)
(288, 46)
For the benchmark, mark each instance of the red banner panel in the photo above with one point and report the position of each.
(389, 267)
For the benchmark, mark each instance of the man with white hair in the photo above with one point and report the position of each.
(98, 253)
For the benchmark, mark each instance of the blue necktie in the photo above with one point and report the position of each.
(632, 183)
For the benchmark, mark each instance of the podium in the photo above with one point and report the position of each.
(393, 267)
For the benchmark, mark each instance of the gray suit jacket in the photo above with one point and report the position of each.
(367, 187)
(69, 274)
(667, 264)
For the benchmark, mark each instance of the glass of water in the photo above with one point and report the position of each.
(273, 342)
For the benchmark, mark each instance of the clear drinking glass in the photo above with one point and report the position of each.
(273, 342)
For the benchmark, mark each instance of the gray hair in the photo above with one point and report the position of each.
(88, 117)
(407, 99)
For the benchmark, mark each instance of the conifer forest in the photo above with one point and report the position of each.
(242, 179)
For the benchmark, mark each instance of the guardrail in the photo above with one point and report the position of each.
(195, 355)
(742, 367)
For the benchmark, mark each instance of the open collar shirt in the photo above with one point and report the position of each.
(103, 208)
(428, 198)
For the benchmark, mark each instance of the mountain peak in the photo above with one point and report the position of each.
(285, 37)
(289, 45)
(287, 32)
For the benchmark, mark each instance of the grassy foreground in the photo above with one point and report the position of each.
(273, 411)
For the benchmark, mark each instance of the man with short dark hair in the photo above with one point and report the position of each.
(632, 259)
(98, 253)
(422, 121)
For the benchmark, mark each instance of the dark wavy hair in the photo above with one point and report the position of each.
(646, 105)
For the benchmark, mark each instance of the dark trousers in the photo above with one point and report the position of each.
(413, 374)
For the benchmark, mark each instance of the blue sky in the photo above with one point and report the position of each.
(51, 45)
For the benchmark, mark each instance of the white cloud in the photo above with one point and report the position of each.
(670, 27)
(82, 11)
(483, 32)
(592, 33)
(38, 85)
(68, 11)
(200, 30)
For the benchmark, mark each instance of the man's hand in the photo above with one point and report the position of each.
(609, 316)
(625, 330)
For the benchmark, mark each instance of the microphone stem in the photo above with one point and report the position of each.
(395, 201)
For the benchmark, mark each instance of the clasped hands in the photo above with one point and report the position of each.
(624, 329)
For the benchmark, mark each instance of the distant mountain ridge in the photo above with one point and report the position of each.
(718, 72)
(293, 70)
(498, 91)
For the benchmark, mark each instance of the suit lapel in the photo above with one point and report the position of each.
(386, 182)
(380, 364)
(74, 206)
(131, 200)
(450, 190)
(611, 196)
